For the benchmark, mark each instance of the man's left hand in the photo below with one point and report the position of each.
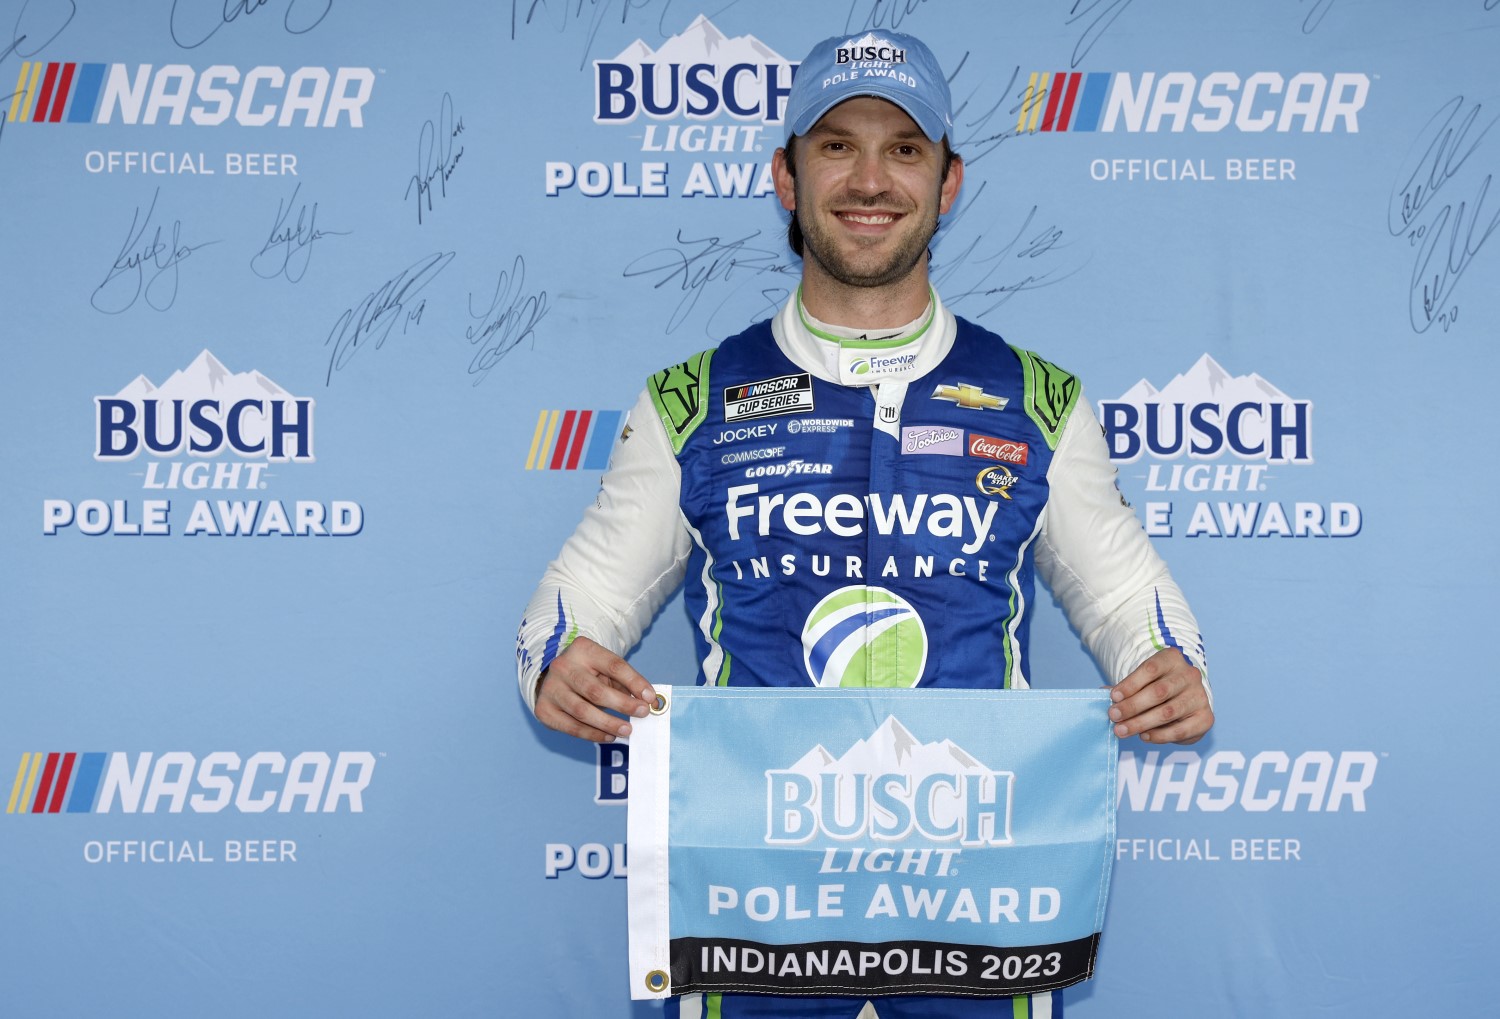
(1162, 701)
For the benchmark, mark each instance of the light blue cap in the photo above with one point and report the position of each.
(888, 65)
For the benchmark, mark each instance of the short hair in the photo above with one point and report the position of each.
(794, 229)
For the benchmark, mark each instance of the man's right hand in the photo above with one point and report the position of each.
(583, 685)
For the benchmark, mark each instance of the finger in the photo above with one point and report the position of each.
(631, 683)
(1186, 730)
(1148, 672)
(1150, 710)
(622, 677)
(575, 704)
(554, 717)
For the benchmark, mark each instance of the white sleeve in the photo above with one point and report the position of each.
(1100, 564)
(626, 557)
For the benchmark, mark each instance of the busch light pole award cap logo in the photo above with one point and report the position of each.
(887, 65)
(864, 637)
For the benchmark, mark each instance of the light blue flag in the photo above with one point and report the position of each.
(869, 841)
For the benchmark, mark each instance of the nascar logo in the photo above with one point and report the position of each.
(110, 93)
(1263, 101)
(582, 438)
(102, 783)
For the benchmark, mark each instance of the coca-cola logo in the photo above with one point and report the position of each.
(1005, 450)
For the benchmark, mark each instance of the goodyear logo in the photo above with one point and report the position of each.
(78, 93)
(565, 440)
(1180, 101)
(144, 783)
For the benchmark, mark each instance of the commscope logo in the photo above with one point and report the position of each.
(144, 783)
(82, 93)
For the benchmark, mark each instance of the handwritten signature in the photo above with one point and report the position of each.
(983, 132)
(436, 159)
(1096, 16)
(693, 263)
(288, 249)
(564, 14)
(31, 34)
(506, 322)
(1316, 15)
(148, 267)
(189, 31)
(1446, 236)
(369, 323)
(1030, 260)
(883, 14)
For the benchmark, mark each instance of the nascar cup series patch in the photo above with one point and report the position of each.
(869, 842)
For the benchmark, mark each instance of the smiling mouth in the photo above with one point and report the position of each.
(868, 218)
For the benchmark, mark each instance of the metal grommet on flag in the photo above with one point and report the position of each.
(657, 981)
(661, 704)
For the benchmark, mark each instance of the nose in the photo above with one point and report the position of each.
(869, 175)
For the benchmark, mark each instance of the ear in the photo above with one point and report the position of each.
(949, 193)
(786, 185)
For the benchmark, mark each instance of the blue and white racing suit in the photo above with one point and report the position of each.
(846, 511)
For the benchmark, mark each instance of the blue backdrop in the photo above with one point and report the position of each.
(320, 318)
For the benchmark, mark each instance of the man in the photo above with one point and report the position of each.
(860, 491)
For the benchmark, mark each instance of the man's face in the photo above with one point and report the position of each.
(868, 191)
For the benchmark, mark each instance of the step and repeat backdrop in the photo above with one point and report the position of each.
(321, 319)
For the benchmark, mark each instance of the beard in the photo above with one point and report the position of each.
(856, 265)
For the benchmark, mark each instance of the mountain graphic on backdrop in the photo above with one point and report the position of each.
(702, 43)
(206, 378)
(1205, 382)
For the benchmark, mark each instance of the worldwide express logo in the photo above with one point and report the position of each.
(1211, 433)
(145, 783)
(79, 93)
(1179, 101)
(698, 92)
(204, 429)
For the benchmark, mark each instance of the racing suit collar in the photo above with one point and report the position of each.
(858, 357)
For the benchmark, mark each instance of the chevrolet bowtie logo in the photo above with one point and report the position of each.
(969, 396)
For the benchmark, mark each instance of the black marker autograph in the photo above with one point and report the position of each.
(1028, 261)
(509, 320)
(27, 40)
(436, 159)
(188, 33)
(1446, 236)
(288, 249)
(882, 14)
(564, 14)
(369, 323)
(143, 266)
(696, 262)
(1098, 15)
